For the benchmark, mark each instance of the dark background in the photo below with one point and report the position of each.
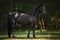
(53, 8)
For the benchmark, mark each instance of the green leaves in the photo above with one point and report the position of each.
(26, 6)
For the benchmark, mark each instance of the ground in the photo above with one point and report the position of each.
(22, 35)
(32, 39)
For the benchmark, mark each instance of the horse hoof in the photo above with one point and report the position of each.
(28, 37)
(13, 37)
(34, 37)
(9, 37)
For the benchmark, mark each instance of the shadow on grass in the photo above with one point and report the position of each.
(30, 38)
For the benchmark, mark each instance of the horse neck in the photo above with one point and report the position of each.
(32, 13)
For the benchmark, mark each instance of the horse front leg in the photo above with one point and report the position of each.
(33, 29)
(28, 35)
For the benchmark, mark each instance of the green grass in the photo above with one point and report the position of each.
(38, 32)
(22, 34)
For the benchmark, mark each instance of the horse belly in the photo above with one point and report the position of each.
(24, 19)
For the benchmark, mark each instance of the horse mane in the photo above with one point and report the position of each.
(38, 6)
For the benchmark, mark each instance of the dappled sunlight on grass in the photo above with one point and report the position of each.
(22, 38)
(37, 32)
(32, 39)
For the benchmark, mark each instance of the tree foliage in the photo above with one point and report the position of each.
(53, 7)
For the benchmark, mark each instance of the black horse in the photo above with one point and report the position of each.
(29, 18)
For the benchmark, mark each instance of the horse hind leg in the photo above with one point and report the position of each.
(12, 32)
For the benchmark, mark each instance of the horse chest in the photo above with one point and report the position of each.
(32, 19)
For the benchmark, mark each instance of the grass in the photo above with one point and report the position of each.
(38, 32)
(22, 34)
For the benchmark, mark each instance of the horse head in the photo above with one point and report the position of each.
(41, 8)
